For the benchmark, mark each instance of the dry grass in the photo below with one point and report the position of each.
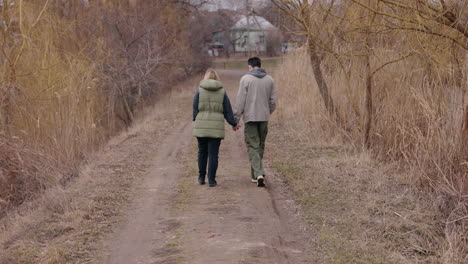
(359, 212)
(69, 80)
(66, 73)
(67, 225)
(53, 110)
(417, 128)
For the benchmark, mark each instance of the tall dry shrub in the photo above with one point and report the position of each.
(419, 88)
(410, 59)
(73, 73)
(50, 101)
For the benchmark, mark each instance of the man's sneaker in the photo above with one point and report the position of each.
(254, 180)
(260, 181)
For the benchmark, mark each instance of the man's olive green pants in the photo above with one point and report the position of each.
(255, 135)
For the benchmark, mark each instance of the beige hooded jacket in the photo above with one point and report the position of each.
(256, 99)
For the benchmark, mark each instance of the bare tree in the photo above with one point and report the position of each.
(308, 25)
(323, 25)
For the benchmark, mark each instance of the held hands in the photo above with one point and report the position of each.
(235, 128)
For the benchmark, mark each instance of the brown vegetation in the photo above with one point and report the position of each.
(465, 134)
(396, 72)
(73, 73)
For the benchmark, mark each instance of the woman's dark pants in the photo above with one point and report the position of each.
(208, 150)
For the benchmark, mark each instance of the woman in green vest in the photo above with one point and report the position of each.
(211, 106)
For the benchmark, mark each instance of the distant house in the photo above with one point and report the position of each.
(251, 34)
(216, 47)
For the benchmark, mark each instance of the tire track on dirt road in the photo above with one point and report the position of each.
(149, 214)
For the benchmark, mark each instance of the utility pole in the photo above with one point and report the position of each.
(247, 9)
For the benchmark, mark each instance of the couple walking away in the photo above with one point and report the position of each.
(256, 101)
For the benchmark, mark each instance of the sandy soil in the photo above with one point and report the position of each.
(172, 219)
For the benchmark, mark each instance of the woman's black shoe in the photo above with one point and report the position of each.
(201, 181)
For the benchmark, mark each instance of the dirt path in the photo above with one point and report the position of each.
(149, 214)
(174, 220)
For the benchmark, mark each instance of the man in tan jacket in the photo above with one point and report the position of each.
(256, 101)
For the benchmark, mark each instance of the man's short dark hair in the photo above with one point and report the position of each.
(255, 62)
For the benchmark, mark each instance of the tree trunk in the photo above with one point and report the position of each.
(126, 108)
(465, 136)
(321, 83)
(6, 104)
(4, 110)
(369, 104)
(369, 78)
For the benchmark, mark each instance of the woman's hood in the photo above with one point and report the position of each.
(211, 85)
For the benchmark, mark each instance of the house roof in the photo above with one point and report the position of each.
(253, 23)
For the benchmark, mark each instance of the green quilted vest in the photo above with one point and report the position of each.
(210, 119)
